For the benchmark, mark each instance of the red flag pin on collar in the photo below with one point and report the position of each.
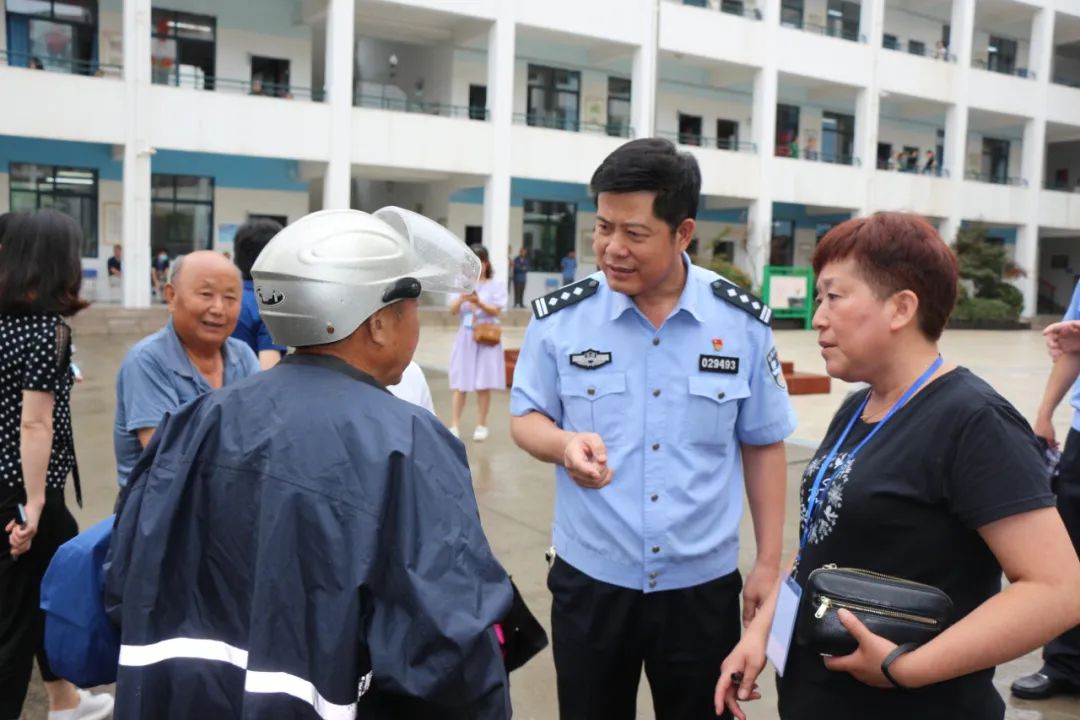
(717, 344)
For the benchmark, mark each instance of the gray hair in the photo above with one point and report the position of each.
(178, 263)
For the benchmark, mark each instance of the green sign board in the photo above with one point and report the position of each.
(789, 291)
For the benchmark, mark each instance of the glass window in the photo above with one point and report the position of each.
(843, 19)
(689, 129)
(1001, 55)
(549, 231)
(57, 36)
(618, 107)
(553, 97)
(30, 7)
(183, 50)
(837, 137)
(72, 191)
(782, 245)
(791, 13)
(182, 213)
(732, 7)
(916, 47)
(727, 134)
(890, 42)
(787, 130)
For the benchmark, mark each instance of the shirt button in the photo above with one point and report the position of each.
(652, 576)
(656, 446)
(655, 549)
(656, 392)
(656, 341)
(654, 498)
(591, 391)
(719, 396)
(652, 583)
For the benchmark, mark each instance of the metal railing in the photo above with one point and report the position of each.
(825, 30)
(702, 141)
(1061, 187)
(198, 81)
(818, 156)
(421, 107)
(52, 63)
(932, 172)
(925, 52)
(996, 179)
(727, 7)
(1018, 72)
(554, 122)
(1070, 82)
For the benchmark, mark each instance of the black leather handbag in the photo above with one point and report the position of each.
(896, 609)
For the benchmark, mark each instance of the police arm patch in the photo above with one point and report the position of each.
(772, 360)
(742, 299)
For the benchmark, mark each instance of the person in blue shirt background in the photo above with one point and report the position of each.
(569, 267)
(251, 238)
(654, 388)
(521, 275)
(1060, 673)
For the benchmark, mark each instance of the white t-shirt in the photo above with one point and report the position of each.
(414, 388)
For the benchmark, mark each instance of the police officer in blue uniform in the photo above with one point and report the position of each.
(654, 388)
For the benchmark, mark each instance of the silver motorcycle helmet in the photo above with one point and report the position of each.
(321, 277)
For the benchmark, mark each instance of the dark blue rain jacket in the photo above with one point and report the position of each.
(304, 545)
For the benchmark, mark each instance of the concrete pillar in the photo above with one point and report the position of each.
(766, 85)
(340, 48)
(643, 79)
(961, 37)
(1033, 157)
(135, 226)
(501, 53)
(868, 104)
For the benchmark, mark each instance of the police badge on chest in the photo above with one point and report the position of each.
(590, 359)
(718, 364)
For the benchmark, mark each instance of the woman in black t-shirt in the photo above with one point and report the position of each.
(950, 492)
(40, 277)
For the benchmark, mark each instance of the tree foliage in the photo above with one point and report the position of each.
(987, 267)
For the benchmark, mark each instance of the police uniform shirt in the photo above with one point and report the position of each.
(673, 406)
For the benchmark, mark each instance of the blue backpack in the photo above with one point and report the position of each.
(82, 644)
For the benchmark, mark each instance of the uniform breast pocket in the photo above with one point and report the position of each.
(596, 402)
(712, 407)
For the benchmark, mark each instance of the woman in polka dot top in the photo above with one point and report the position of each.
(40, 277)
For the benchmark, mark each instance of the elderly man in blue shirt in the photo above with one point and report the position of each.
(192, 355)
(654, 388)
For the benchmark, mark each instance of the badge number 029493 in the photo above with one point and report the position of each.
(718, 364)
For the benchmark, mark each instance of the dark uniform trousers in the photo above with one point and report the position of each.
(602, 634)
(1061, 656)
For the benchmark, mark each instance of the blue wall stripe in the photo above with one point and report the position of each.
(234, 171)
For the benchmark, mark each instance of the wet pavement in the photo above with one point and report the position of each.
(515, 491)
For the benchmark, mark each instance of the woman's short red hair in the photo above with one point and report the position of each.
(893, 252)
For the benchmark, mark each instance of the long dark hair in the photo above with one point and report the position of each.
(40, 267)
(481, 252)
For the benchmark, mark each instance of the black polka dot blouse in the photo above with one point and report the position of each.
(35, 354)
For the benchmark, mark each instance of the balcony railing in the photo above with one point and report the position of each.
(1018, 72)
(830, 31)
(890, 166)
(933, 54)
(817, 156)
(996, 179)
(728, 7)
(421, 107)
(200, 81)
(555, 122)
(52, 63)
(694, 140)
(1073, 82)
(1061, 186)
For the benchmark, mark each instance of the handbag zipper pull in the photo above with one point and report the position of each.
(823, 607)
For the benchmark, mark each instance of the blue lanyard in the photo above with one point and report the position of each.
(819, 487)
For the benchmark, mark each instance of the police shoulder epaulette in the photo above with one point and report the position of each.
(740, 298)
(564, 297)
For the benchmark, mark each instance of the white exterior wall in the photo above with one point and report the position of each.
(55, 106)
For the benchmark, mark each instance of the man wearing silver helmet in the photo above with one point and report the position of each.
(302, 544)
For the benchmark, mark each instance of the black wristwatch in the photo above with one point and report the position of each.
(891, 657)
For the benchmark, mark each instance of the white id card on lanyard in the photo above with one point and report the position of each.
(783, 624)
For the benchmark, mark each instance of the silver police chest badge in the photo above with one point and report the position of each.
(590, 359)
